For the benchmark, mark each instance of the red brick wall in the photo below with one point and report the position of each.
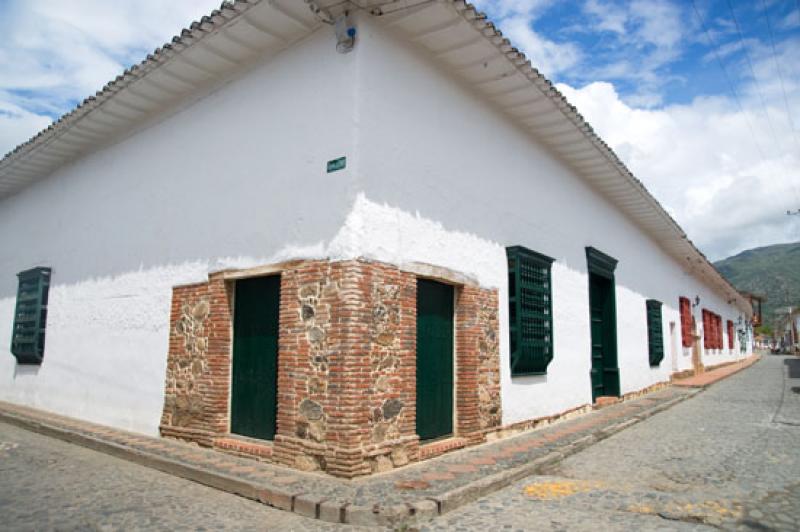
(198, 362)
(478, 362)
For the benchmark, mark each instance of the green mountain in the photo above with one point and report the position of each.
(772, 270)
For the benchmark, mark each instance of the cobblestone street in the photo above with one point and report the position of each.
(48, 484)
(727, 458)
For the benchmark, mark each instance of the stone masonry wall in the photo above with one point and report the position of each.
(346, 366)
(198, 362)
(388, 434)
(308, 354)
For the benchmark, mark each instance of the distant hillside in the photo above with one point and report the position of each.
(771, 270)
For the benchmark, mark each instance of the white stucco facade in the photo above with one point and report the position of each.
(236, 178)
(451, 158)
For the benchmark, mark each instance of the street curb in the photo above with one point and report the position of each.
(209, 478)
(747, 363)
(306, 505)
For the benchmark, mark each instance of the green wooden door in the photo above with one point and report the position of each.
(254, 383)
(604, 373)
(596, 310)
(434, 359)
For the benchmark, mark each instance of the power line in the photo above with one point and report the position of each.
(753, 72)
(783, 89)
(713, 45)
(780, 72)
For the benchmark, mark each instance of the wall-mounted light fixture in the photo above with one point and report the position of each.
(696, 301)
(345, 33)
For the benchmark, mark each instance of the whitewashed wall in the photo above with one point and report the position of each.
(238, 179)
(235, 179)
(452, 182)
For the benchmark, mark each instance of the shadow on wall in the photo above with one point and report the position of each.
(476, 170)
(560, 227)
(162, 242)
(362, 227)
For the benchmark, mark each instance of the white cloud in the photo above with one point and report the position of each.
(500, 9)
(516, 19)
(790, 21)
(641, 38)
(608, 17)
(659, 23)
(701, 162)
(726, 49)
(54, 54)
(16, 123)
(546, 55)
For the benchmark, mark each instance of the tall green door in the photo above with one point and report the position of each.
(254, 383)
(605, 374)
(603, 315)
(434, 359)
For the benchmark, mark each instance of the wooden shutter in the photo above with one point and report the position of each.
(655, 335)
(30, 316)
(686, 321)
(530, 311)
(730, 334)
(712, 323)
(714, 332)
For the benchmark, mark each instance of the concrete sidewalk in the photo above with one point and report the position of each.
(406, 495)
(709, 377)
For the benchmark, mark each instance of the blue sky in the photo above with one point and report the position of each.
(701, 99)
(655, 52)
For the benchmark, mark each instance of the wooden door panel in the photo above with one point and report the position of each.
(255, 357)
(604, 373)
(434, 359)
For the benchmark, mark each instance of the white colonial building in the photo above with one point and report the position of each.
(346, 234)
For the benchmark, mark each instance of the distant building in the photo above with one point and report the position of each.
(352, 260)
(788, 325)
(756, 302)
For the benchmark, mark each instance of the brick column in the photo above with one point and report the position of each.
(477, 362)
(307, 346)
(197, 385)
(357, 319)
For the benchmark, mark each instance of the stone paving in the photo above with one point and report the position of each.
(419, 491)
(47, 484)
(728, 459)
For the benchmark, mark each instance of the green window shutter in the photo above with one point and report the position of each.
(655, 336)
(30, 316)
(530, 308)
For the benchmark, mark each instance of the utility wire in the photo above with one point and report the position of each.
(780, 71)
(783, 90)
(733, 89)
(755, 78)
(713, 45)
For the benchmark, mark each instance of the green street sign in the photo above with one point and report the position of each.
(337, 164)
